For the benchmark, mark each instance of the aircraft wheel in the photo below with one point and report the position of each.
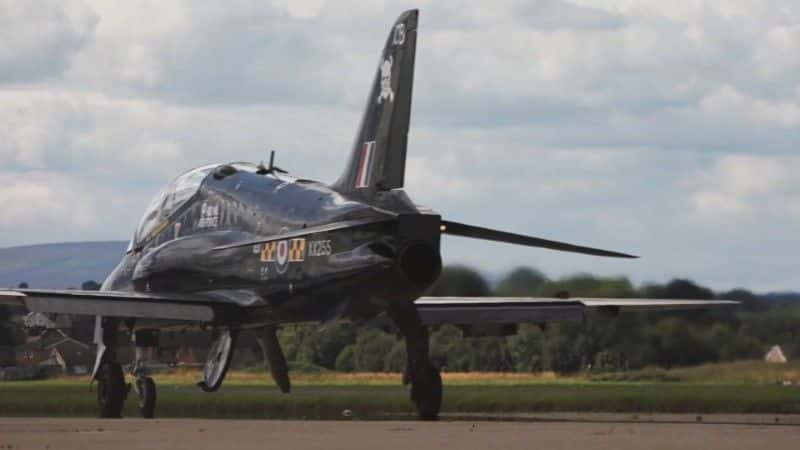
(428, 396)
(218, 359)
(146, 390)
(111, 390)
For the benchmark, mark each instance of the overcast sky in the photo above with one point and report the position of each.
(665, 129)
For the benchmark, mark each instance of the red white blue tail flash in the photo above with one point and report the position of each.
(365, 165)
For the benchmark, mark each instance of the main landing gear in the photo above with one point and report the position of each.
(111, 388)
(112, 391)
(425, 380)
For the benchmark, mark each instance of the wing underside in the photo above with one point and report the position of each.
(433, 310)
(502, 310)
(189, 308)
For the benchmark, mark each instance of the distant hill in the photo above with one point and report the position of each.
(59, 266)
(781, 297)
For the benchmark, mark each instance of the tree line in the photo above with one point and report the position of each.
(599, 343)
(628, 341)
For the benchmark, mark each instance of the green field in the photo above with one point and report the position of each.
(750, 387)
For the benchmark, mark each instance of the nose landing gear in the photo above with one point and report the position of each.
(145, 341)
(146, 391)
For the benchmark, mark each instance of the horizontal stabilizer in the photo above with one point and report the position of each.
(302, 232)
(501, 310)
(471, 231)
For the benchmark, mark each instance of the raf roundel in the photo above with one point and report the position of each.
(282, 256)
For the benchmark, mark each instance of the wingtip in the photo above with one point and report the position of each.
(623, 255)
(620, 255)
(611, 254)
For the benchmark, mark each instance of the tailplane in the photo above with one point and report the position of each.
(378, 158)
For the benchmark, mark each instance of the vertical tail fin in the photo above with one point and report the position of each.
(378, 157)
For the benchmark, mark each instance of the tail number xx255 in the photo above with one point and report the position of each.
(320, 248)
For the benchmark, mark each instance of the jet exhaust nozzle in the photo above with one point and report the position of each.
(420, 262)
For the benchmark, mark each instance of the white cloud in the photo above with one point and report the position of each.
(727, 103)
(746, 187)
(40, 202)
(39, 38)
(557, 14)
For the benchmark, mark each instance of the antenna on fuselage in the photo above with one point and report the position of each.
(272, 168)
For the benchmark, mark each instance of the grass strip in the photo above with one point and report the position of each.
(259, 400)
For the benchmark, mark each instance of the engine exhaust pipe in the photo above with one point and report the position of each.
(419, 262)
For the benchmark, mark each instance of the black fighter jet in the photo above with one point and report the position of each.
(237, 246)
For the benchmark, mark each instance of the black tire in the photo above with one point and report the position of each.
(146, 390)
(428, 397)
(111, 390)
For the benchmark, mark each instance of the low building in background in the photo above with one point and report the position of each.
(55, 353)
(775, 355)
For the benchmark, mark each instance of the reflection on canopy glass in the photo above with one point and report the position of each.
(178, 192)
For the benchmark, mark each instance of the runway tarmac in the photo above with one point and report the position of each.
(38, 433)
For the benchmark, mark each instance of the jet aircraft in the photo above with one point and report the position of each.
(236, 246)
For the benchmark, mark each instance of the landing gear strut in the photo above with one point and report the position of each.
(145, 341)
(425, 380)
(426, 393)
(111, 388)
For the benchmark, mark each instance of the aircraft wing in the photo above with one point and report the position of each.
(179, 307)
(502, 310)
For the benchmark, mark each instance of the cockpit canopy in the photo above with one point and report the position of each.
(169, 200)
(178, 192)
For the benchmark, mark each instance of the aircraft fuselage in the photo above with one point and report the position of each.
(327, 275)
